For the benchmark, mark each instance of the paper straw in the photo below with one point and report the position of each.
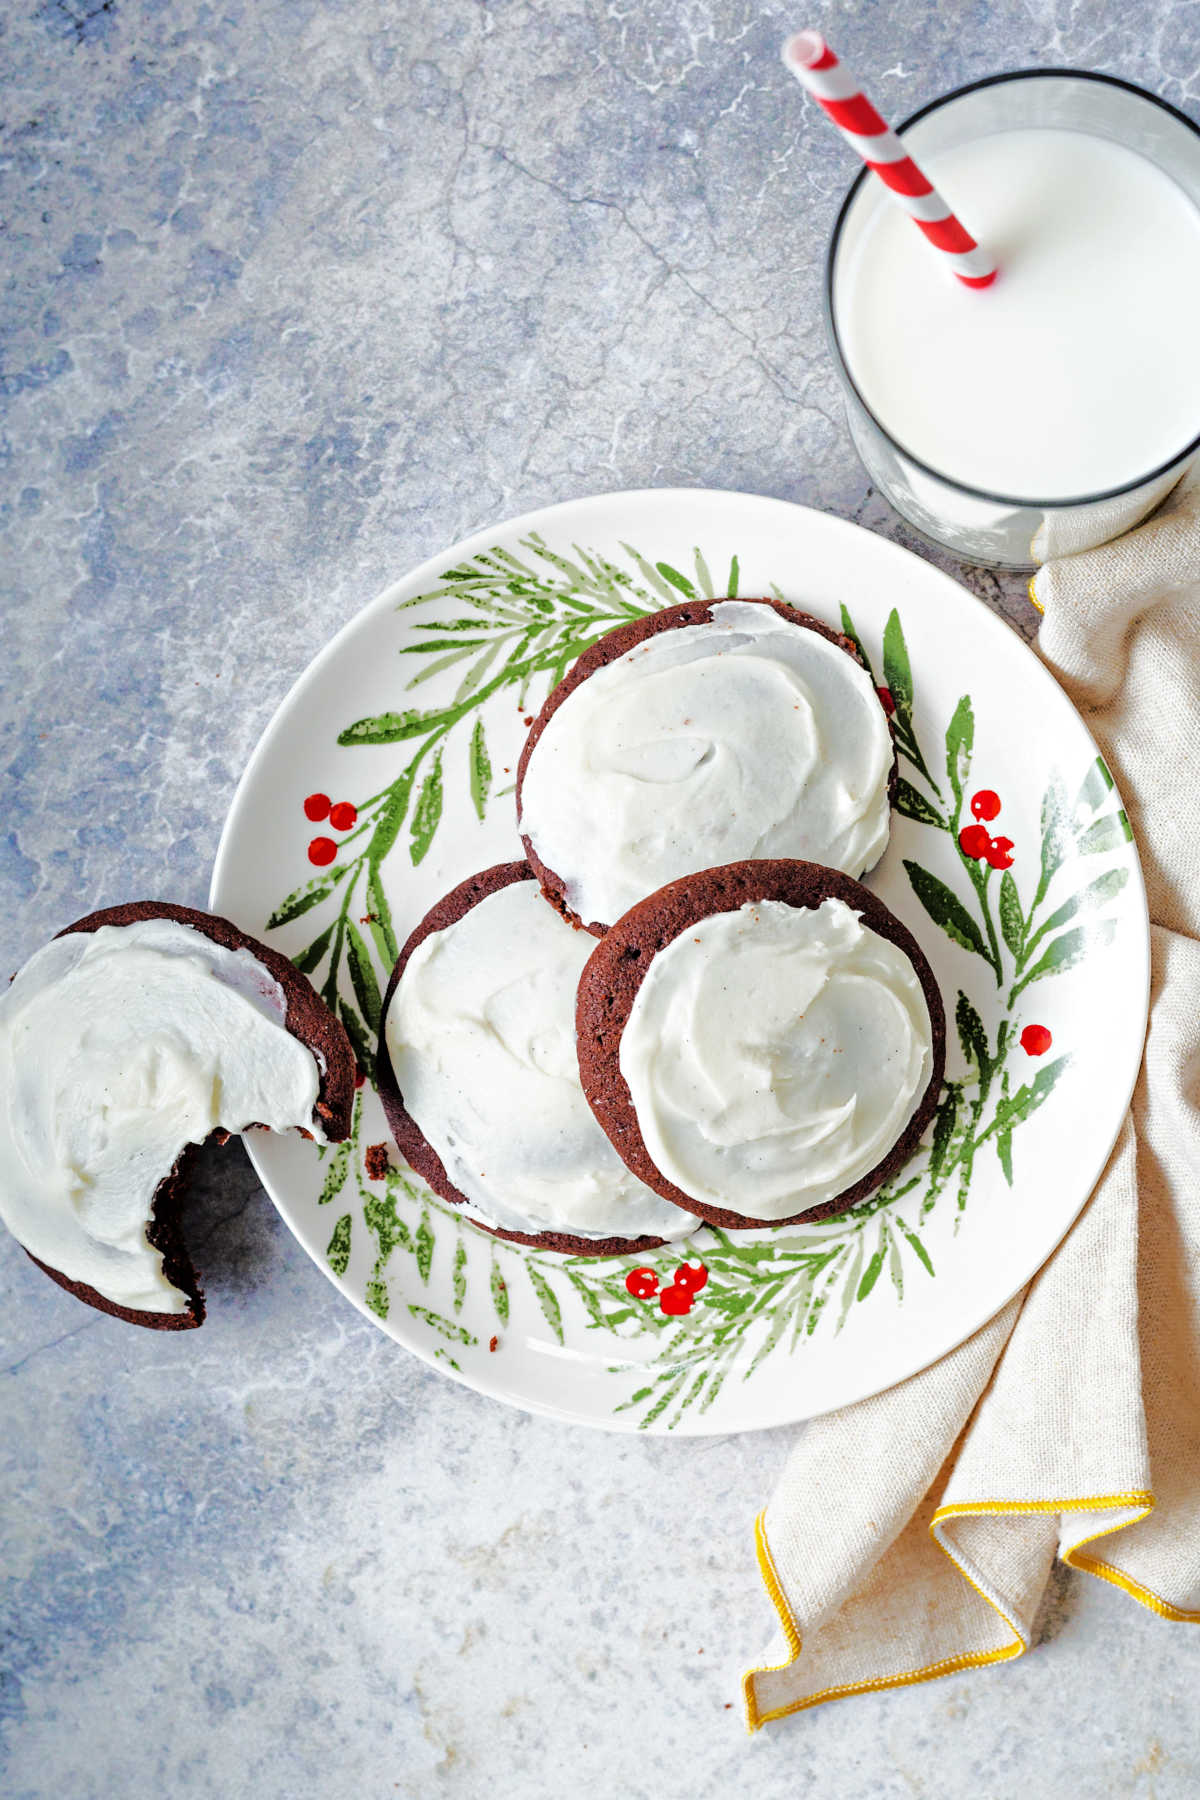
(842, 100)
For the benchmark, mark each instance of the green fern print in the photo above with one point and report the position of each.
(522, 619)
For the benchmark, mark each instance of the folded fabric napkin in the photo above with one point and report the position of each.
(1070, 1424)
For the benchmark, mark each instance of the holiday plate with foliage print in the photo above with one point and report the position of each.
(386, 777)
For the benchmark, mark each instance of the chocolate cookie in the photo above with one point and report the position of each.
(619, 965)
(610, 649)
(307, 1019)
(412, 1143)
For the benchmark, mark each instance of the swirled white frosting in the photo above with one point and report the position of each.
(747, 736)
(118, 1048)
(774, 1055)
(481, 1033)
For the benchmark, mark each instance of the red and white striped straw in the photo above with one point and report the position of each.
(841, 98)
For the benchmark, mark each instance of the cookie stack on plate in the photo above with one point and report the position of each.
(683, 1006)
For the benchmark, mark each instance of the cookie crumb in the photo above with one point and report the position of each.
(375, 1161)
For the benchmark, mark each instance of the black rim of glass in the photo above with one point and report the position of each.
(932, 106)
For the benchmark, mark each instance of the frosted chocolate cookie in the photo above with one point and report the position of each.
(132, 1036)
(700, 736)
(763, 1043)
(479, 1079)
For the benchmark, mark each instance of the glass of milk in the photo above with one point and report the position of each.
(1054, 409)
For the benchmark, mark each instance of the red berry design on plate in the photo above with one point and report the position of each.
(322, 850)
(985, 804)
(691, 1276)
(343, 815)
(974, 841)
(316, 807)
(886, 701)
(641, 1283)
(1035, 1040)
(676, 1300)
(999, 853)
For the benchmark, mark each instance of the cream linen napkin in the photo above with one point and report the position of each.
(912, 1534)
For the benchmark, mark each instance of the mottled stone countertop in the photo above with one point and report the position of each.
(295, 293)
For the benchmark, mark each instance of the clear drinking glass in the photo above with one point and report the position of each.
(1013, 530)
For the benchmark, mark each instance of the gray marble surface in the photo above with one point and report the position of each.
(294, 295)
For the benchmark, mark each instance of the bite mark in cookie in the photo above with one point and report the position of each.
(135, 1034)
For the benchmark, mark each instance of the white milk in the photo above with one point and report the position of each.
(1078, 370)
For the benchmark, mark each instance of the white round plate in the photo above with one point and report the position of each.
(414, 717)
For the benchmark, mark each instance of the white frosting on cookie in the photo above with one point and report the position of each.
(747, 736)
(118, 1048)
(481, 1034)
(774, 1055)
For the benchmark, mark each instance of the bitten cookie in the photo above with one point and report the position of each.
(763, 1043)
(699, 736)
(129, 1039)
(478, 1076)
